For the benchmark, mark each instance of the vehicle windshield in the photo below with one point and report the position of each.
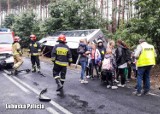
(6, 38)
(74, 33)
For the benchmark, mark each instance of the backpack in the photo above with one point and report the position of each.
(82, 49)
(126, 55)
(107, 64)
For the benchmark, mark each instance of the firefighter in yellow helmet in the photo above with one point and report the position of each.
(145, 55)
(17, 53)
(61, 56)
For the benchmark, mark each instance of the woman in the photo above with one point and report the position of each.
(95, 59)
(121, 60)
(111, 45)
(82, 51)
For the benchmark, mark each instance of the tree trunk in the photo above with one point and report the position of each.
(119, 13)
(46, 4)
(101, 8)
(123, 10)
(131, 8)
(0, 14)
(41, 9)
(114, 15)
(106, 8)
(8, 5)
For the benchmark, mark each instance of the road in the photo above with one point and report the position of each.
(91, 98)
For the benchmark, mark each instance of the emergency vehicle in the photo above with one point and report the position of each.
(6, 40)
(72, 38)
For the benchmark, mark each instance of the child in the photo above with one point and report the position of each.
(89, 62)
(108, 69)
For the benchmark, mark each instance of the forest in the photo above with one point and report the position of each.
(128, 20)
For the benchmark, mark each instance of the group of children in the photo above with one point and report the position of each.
(108, 62)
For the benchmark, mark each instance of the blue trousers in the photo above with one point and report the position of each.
(143, 71)
(83, 68)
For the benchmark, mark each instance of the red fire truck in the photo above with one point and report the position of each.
(6, 40)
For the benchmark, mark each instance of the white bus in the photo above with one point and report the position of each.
(72, 37)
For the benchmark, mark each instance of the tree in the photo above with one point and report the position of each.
(144, 25)
(69, 15)
(26, 24)
(8, 4)
(9, 20)
(114, 15)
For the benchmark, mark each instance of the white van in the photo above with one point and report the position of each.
(6, 56)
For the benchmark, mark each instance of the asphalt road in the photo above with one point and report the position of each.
(91, 98)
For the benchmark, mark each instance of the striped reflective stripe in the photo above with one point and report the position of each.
(62, 48)
(15, 53)
(61, 63)
(70, 59)
(56, 77)
(35, 54)
(53, 58)
(62, 79)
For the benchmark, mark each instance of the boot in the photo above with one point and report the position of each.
(61, 93)
(38, 69)
(33, 68)
(14, 72)
(62, 82)
(59, 85)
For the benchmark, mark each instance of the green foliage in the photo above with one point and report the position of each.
(71, 14)
(9, 20)
(16, 3)
(25, 25)
(145, 25)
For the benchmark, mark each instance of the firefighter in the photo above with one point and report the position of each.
(61, 57)
(17, 53)
(34, 50)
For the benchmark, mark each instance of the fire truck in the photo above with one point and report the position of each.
(6, 40)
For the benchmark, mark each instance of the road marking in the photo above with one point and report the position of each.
(60, 107)
(37, 92)
(6, 71)
(17, 84)
(153, 94)
(51, 110)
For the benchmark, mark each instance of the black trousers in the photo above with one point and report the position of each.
(107, 76)
(35, 61)
(129, 72)
(59, 72)
(89, 70)
(117, 74)
(93, 65)
(122, 74)
(100, 68)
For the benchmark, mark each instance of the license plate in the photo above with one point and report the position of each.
(2, 57)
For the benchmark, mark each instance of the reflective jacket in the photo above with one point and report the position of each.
(147, 56)
(16, 48)
(34, 48)
(61, 54)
